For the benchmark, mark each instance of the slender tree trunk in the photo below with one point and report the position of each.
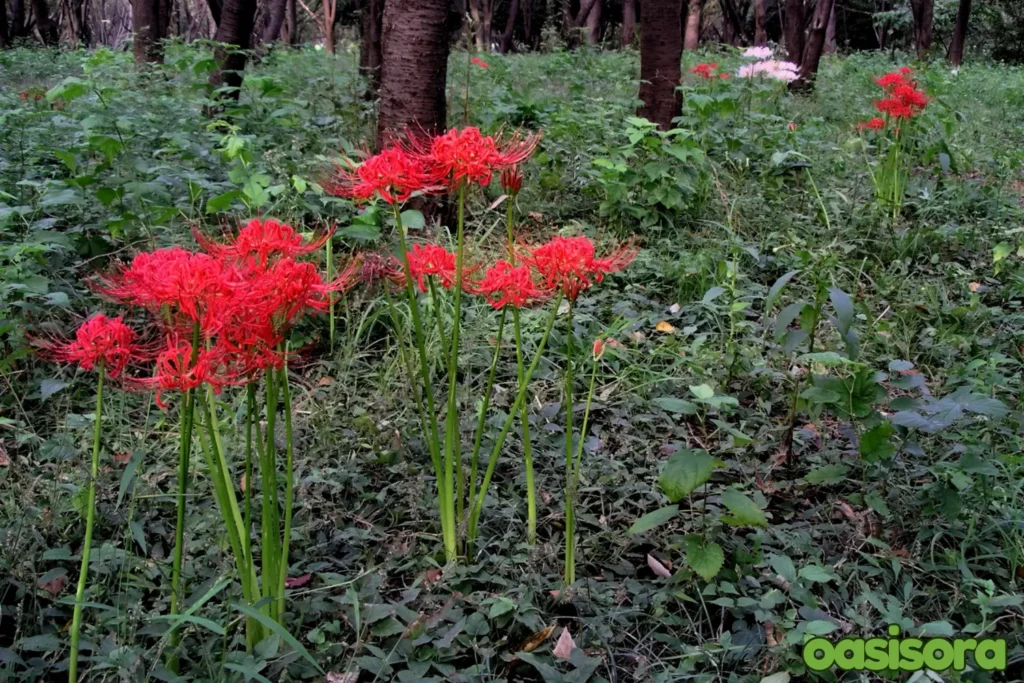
(330, 10)
(413, 73)
(370, 48)
(234, 34)
(486, 19)
(533, 19)
(17, 28)
(510, 27)
(922, 11)
(956, 46)
(830, 32)
(661, 49)
(275, 20)
(760, 17)
(291, 21)
(732, 20)
(694, 10)
(146, 29)
(628, 22)
(4, 29)
(478, 25)
(794, 29)
(215, 10)
(594, 25)
(815, 45)
(44, 24)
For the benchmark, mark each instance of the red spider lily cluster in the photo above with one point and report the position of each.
(570, 264)
(223, 312)
(903, 101)
(480, 63)
(706, 70)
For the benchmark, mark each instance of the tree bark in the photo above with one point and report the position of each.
(510, 28)
(815, 45)
(533, 21)
(594, 24)
(44, 24)
(661, 49)
(629, 22)
(370, 57)
(17, 27)
(956, 45)
(830, 32)
(275, 20)
(922, 11)
(216, 7)
(147, 29)
(760, 15)
(693, 16)
(732, 20)
(234, 34)
(413, 72)
(794, 29)
(291, 22)
(330, 11)
(4, 30)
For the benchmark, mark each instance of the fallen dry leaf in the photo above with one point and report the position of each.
(565, 645)
(122, 458)
(674, 308)
(975, 286)
(534, 641)
(325, 381)
(55, 586)
(297, 581)
(658, 568)
(333, 677)
(431, 576)
(665, 327)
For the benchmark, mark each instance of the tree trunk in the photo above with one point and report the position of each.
(510, 28)
(478, 25)
(628, 22)
(693, 16)
(815, 45)
(44, 24)
(4, 31)
(330, 10)
(533, 21)
(956, 46)
(830, 32)
(661, 49)
(412, 88)
(794, 29)
(486, 19)
(275, 20)
(215, 10)
(594, 25)
(760, 14)
(17, 28)
(732, 20)
(146, 28)
(291, 22)
(922, 11)
(369, 49)
(234, 34)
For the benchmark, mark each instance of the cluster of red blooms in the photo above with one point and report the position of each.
(480, 63)
(34, 93)
(241, 297)
(705, 71)
(903, 99)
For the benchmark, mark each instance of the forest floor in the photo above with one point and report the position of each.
(901, 500)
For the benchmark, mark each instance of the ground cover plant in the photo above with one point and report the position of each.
(634, 404)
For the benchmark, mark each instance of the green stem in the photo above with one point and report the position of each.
(289, 486)
(453, 450)
(474, 460)
(187, 419)
(329, 247)
(570, 520)
(474, 517)
(436, 301)
(397, 327)
(269, 520)
(250, 416)
(433, 435)
(90, 519)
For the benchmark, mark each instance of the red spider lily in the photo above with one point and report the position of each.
(512, 180)
(99, 342)
(276, 297)
(379, 268)
(187, 286)
(599, 346)
(571, 264)
(262, 240)
(874, 124)
(891, 80)
(504, 284)
(175, 370)
(905, 100)
(467, 155)
(431, 260)
(393, 175)
(704, 70)
(480, 63)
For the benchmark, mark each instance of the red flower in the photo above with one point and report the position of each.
(378, 268)
(570, 263)
(480, 63)
(262, 240)
(874, 124)
(704, 70)
(275, 298)
(599, 346)
(99, 342)
(904, 100)
(175, 370)
(504, 284)
(511, 180)
(891, 80)
(469, 156)
(431, 260)
(393, 175)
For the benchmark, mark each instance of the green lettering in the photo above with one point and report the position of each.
(819, 654)
(938, 654)
(990, 654)
(876, 658)
(961, 646)
(910, 655)
(849, 654)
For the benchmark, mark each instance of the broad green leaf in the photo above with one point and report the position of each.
(413, 219)
(816, 573)
(653, 519)
(827, 475)
(49, 387)
(776, 290)
(843, 306)
(826, 358)
(275, 627)
(875, 444)
(222, 201)
(783, 566)
(818, 627)
(744, 510)
(706, 558)
(786, 317)
(702, 391)
(685, 471)
(675, 405)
